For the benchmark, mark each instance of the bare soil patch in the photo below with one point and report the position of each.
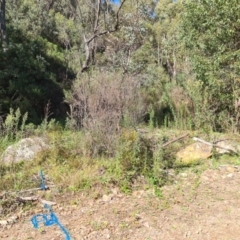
(197, 206)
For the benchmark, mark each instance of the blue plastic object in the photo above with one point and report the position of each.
(49, 220)
(43, 186)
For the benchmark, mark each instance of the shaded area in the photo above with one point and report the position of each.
(30, 77)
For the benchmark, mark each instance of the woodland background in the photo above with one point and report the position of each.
(174, 62)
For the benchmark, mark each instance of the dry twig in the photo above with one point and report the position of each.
(214, 145)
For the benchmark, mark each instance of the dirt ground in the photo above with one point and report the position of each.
(197, 206)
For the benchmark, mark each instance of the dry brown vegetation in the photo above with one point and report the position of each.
(102, 105)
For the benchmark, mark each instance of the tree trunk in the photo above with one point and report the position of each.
(3, 33)
(96, 33)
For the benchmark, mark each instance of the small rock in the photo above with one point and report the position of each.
(230, 175)
(33, 233)
(183, 175)
(198, 231)
(3, 222)
(146, 224)
(107, 198)
(13, 218)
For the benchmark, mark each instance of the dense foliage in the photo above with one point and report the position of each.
(181, 57)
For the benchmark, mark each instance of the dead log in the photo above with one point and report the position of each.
(27, 199)
(174, 140)
(35, 198)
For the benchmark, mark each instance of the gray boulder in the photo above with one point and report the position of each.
(25, 149)
(227, 146)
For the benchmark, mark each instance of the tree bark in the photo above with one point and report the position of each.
(3, 33)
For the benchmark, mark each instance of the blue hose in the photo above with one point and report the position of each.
(43, 186)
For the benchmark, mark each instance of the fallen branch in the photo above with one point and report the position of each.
(27, 199)
(35, 198)
(174, 140)
(27, 190)
(214, 145)
(222, 140)
(50, 203)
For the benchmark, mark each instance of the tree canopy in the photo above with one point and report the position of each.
(183, 55)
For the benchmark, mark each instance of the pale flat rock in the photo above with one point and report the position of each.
(194, 152)
(25, 149)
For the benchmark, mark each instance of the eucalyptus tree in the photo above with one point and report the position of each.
(167, 36)
(211, 32)
(96, 19)
(130, 49)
